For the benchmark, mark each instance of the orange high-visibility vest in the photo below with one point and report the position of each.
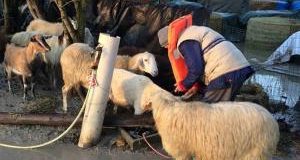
(174, 31)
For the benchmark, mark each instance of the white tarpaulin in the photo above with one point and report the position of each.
(288, 48)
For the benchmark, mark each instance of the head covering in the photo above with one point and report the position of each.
(163, 36)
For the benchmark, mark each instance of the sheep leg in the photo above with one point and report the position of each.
(65, 94)
(56, 75)
(137, 108)
(115, 109)
(45, 71)
(82, 97)
(9, 87)
(8, 72)
(32, 87)
(25, 87)
(53, 77)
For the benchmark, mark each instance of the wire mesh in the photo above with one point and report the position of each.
(281, 87)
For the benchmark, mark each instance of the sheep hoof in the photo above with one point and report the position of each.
(25, 98)
(60, 111)
(115, 109)
(33, 96)
(12, 93)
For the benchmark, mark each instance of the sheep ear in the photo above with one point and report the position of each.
(33, 39)
(141, 63)
(47, 36)
(61, 38)
(148, 106)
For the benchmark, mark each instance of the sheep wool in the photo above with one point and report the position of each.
(130, 89)
(45, 27)
(77, 60)
(219, 131)
(24, 61)
(22, 38)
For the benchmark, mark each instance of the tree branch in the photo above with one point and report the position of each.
(34, 9)
(66, 22)
(80, 6)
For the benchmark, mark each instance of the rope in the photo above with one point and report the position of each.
(156, 151)
(58, 137)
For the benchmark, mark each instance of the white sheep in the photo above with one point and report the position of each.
(52, 58)
(56, 29)
(76, 61)
(140, 63)
(21, 60)
(125, 94)
(22, 38)
(45, 27)
(88, 37)
(218, 131)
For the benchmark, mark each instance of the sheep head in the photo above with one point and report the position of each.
(160, 98)
(147, 63)
(39, 44)
(96, 54)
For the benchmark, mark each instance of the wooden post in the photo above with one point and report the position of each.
(98, 97)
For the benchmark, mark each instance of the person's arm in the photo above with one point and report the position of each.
(193, 56)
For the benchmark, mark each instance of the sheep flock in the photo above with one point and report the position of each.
(216, 131)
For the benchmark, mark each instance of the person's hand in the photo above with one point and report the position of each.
(192, 91)
(179, 87)
(92, 80)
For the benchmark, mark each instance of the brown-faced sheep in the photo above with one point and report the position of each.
(19, 60)
(22, 38)
(76, 61)
(57, 44)
(217, 131)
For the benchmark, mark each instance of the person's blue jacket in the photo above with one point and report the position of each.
(193, 54)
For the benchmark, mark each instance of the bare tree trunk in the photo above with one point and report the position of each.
(68, 36)
(34, 10)
(65, 20)
(6, 15)
(80, 6)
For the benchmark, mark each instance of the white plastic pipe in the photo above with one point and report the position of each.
(97, 100)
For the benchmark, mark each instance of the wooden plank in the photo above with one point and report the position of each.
(136, 143)
(145, 120)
